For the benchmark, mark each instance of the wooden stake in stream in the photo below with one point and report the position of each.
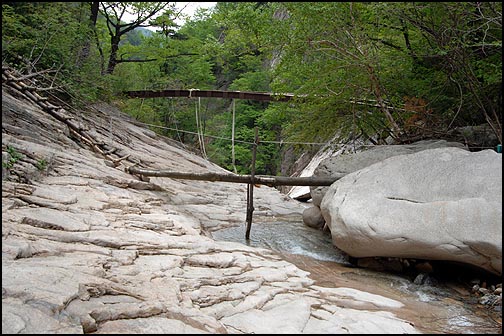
(250, 187)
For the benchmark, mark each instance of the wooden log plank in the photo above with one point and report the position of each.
(264, 96)
(234, 178)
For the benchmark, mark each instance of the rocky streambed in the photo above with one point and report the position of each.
(438, 305)
(89, 248)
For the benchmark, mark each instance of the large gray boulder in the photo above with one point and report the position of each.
(350, 162)
(437, 204)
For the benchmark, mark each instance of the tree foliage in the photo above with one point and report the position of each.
(143, 12)
(390, 55)
(399, 71)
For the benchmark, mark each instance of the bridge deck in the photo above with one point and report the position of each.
(263, 96)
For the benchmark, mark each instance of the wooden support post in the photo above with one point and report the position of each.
(250, 209)
(233, 138)
(250, 188)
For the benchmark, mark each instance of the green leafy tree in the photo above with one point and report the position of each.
(45, 35)
(462, 43)
(370, 69)
(115, 12)
(381, 71)
(54, 38)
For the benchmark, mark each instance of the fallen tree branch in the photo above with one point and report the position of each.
(34, 74)
(58, 112)
(34, 88)
(117, 161)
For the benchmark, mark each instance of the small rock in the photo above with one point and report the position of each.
(420, 278)
(312, 217)
(381, 264)
(483, 291)
(430, 281)
(498, 291)
(488, 299)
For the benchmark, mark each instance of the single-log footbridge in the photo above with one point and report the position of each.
(251, 180)
(234, 178)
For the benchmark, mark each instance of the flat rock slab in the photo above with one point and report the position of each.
(53, 219)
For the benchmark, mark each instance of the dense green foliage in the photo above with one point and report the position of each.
(380, 71)
(38, 36)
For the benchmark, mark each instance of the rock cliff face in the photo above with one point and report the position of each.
(87, 247)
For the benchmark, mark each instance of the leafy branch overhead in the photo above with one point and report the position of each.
(143, 16)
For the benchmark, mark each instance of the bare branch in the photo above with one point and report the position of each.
(34, 74)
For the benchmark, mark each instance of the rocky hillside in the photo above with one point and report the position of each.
(87, 247)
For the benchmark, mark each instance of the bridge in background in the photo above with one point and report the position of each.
(193, 93)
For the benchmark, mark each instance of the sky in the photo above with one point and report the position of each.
(192, 6)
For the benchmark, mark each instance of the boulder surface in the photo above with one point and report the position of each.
(438, 204)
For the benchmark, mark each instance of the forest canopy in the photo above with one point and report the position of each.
(385, 72)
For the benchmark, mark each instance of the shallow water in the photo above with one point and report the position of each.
(287, 237)
(441, 309)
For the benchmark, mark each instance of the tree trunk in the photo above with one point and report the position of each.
(396, 131)
(86, 48)
(114, 43)
(95, 5)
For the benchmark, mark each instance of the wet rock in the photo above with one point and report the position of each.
(483, 291)
(381, 264)
(312, 217)
(475, 281)
(420, 279)
(487, 299)
(425, 279)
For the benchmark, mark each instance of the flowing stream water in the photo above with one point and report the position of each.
(447, 307)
